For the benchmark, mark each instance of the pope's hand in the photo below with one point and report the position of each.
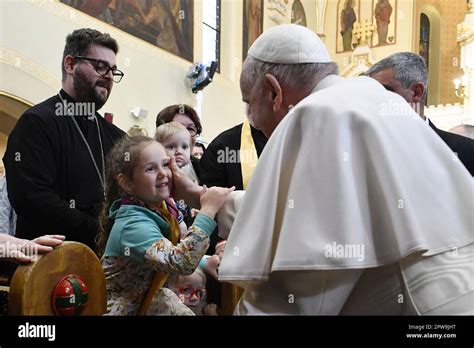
(212, 266)
(183, 186)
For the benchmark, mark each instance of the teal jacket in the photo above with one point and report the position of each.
(136, 229)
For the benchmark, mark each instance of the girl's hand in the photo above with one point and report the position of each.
(212, 199)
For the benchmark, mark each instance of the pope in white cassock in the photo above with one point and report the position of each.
(338, 217)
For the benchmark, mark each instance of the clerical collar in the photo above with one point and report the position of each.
(65, 96)
(72, 107)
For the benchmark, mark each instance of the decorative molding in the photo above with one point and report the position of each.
(321, 16)
(16, 98)
(30, 67)
(465, 34)
(448, 116)
(361, 61)
(278, 11)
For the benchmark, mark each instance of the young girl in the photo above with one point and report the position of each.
(191, 290)
(138, 234)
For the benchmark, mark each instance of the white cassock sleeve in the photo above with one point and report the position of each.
(227, 214)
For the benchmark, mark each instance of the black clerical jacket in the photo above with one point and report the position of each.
(463, 146)
(52, 182)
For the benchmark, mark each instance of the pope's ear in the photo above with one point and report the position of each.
(418, 89)
(276, 92)
(124, 183)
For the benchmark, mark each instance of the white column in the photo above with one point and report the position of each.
(467, 64)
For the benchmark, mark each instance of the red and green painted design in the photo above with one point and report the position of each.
(70, 296)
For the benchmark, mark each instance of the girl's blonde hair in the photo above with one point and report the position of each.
(167, 129)
(174, 280)
(123, 158)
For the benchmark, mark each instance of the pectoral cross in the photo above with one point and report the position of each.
(362, 32)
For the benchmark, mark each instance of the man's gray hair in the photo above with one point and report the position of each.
(408, 68)
(288, 75)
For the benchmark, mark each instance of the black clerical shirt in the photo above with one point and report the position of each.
(52, 182)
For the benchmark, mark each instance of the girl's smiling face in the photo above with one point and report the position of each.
(152, 180)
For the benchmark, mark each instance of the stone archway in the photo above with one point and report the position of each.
(11, 108)
(434, 71)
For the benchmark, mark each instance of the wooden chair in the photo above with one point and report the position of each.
(231, 295)
(32, 285)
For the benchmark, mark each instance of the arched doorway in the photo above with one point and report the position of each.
(11, 108)
(429, 24)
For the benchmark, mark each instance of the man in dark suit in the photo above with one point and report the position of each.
(406, 74)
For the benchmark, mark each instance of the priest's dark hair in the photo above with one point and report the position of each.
(123, 158)
(80, 40)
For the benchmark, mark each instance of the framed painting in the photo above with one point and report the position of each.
(298, 15)
(166, 24)
(348, 14)
(384, 19)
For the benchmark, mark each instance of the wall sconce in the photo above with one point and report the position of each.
(461, 87)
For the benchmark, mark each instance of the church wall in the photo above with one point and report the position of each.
(31, 53)
(451, 12)
(404, 13)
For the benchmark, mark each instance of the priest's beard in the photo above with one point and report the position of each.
(86, 91)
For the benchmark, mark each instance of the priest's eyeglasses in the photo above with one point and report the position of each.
(102, 68)
(189, 291)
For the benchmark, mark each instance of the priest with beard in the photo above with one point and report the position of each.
(55, 156)
(336, 218)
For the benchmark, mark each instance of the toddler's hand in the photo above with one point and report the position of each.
(210, 309)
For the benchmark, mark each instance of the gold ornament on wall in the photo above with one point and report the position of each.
(136, 131)
(465, 34)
